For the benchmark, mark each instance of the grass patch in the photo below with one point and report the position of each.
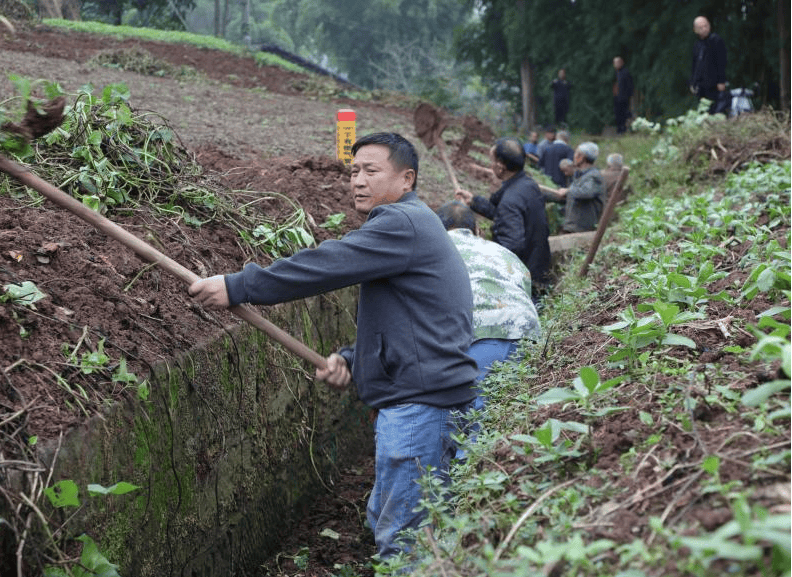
(142, 62)
(174, 37)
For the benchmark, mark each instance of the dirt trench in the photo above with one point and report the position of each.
(100, 296)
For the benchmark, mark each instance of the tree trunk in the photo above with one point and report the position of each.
(50, 9)
(528, 100)
(71, 9)
(245, 30)
(224, 20)
(783, 56)
(118, 12)
(217, 15)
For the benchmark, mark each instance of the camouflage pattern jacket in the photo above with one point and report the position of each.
(501, 283)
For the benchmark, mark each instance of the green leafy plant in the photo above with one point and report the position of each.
(586, 388)
(772, 346)
(121, 375)
(25, 294)
(281, 240)
(114, 158)
(92, 563)
(550, 441)
(66, 493)
(769, 277)
(13, 110)
(334, 221)
(687, 290)
(578, 553)
(743, 539)
(636, 333)
(94, 361)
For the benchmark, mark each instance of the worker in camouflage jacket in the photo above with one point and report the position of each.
(503, 312)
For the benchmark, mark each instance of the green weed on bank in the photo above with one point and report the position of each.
(532, 497)
(115, 159)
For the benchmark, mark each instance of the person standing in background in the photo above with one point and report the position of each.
(561, 87)
(622, 93)
(708, 71)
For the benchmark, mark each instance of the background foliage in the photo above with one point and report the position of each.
(654, 38)
(454, 52)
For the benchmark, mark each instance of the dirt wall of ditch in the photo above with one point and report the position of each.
(228, 448)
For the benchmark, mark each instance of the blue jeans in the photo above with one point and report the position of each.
(485, 352)
(408, 438)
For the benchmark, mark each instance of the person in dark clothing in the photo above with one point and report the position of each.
(622, 93)
(549, 161)
(708, 70)
(547, 140)
(561, 87)
(414, 326)
(517, 211)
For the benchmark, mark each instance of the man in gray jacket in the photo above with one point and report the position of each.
(414, 325)
(585, 197)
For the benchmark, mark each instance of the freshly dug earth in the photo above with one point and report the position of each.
(265, 130)
(101, 297)
(251, 128)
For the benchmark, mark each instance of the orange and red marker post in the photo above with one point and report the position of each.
(345, 134)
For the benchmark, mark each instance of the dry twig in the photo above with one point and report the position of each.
(528, 512)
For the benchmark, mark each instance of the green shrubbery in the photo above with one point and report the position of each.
(532, 497)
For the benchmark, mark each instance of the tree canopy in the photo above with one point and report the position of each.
(403, 44)
(654, 38)
(162, 14)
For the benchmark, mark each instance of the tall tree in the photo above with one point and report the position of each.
(354, 33)
(163, 14)
(654, 38)
(783, 53)
(518, 44)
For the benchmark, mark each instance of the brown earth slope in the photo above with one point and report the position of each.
(267, 130)
(259, 129)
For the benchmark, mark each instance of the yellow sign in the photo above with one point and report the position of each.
(345, 134)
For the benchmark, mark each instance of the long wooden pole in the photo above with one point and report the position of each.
(610, 207)
(150, 254)
(444, 157)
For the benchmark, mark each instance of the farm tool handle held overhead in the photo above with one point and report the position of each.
(429, 125)
(150, 254)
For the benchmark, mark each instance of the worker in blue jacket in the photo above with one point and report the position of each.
(414, 325)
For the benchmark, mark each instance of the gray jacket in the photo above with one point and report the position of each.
(585, 200)
(415, 310)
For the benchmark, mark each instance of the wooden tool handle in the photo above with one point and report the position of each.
(150, 254)
(447, 163)
(610, 207)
